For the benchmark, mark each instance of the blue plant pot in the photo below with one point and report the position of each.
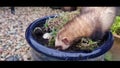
(43, 53)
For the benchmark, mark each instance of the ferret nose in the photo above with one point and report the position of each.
(58, 47)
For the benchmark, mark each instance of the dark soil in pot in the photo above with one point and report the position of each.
(53, 25)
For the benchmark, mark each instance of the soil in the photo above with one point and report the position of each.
(84, 44)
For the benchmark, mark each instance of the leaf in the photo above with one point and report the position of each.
(116, 26)
(108, 56)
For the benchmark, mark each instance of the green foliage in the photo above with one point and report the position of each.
(46, 25)
(52, 40)
(116, 26)
(87, 44)
(108, 56)
(91, 42)
(54, 32)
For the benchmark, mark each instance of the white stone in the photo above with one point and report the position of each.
(47, 36)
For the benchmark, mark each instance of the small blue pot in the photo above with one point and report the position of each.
(40, 52)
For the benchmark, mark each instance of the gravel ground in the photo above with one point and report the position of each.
(13, 46)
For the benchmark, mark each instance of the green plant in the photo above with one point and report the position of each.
(46, 25)
(53, 34)
(91, 42)
(87, 44)
(108, 56)
(116, 26)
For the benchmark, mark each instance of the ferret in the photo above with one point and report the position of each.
(92, 22)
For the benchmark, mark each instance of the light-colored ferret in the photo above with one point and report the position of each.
(92, 22)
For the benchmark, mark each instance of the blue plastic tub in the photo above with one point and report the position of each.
(41, 53)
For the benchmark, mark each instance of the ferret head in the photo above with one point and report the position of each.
(64, 36)
(61, 42)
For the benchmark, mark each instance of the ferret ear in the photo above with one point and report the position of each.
(65, 40)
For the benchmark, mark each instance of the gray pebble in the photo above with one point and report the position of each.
(1, 50)
(13, 27)
(12, 58)
(18, 46)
